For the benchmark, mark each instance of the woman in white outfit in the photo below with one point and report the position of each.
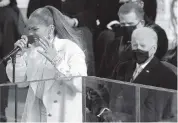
(57, 51)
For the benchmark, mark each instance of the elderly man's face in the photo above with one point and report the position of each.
(143, 48)
(141, 44)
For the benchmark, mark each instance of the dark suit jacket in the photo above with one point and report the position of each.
(8, 29)
(83, 10)
(154, 74)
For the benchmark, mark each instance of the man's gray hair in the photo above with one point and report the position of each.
(145, 32)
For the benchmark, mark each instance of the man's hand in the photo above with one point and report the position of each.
(73, 22)
(108, 116)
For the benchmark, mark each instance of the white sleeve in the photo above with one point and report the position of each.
(76, 66)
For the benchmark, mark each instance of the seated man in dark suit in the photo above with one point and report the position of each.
(143, 69)
(146, 68)
(118, 51)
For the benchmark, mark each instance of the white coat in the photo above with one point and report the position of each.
(62, 101)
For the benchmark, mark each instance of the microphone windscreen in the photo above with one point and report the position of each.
(31, 39)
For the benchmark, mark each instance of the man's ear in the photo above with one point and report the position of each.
(154, 49)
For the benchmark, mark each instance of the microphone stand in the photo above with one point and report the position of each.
(13, 80)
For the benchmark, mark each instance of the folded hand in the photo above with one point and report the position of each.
(49, 52)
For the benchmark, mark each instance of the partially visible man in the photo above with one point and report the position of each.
(131, 16)
(110, 9)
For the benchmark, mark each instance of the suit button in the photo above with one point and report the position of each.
(58, 92)
(55, 101)
(49, 115)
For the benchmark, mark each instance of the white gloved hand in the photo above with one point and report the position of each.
(110, 24)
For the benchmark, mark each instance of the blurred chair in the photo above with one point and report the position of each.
(170, 109)
(170, 66)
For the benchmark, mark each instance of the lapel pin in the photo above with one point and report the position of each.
(147, 71)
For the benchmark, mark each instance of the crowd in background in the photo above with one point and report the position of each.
(106, 41)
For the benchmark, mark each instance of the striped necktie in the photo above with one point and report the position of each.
(136, 73)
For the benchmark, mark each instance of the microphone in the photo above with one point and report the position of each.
(30, 39)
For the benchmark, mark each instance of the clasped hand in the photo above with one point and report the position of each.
(49, 51)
